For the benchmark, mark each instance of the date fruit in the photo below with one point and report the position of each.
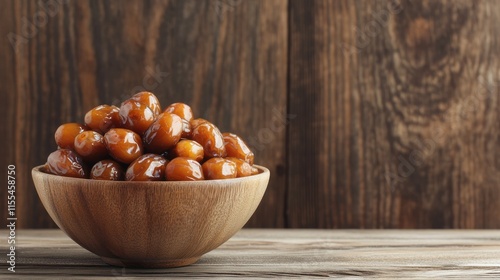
(139, 142)
(184, 169)
(107, 170)
(219, 168)
(65, 162)
(123, 145)
(148, 167)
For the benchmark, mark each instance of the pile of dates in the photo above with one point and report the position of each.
(141, 142)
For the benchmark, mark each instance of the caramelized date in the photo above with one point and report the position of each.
(148, 167)
(184, 169)
(196, 122)
(149, 99)
(189, 149)
(123, 145)
(102, 118)
(67, 163)
(210, 138)
(243, 168)
(107, 170)
(236, 147)
(180, 109)
(219, 168)
(163, 134)
(136, 116)
(90, 146)
(186, 129)
(136, 141)
(66, 133)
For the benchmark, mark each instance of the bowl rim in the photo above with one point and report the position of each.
(263, 172)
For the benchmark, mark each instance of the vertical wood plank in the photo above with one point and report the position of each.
(8, 113)
(397, 114)
(227, 58)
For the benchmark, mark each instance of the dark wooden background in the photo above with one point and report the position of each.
(369, 114)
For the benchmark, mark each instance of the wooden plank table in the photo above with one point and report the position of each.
(256, 253)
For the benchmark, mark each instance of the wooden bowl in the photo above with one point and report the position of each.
(150, 224)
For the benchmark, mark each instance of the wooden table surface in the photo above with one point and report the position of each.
(256, 253)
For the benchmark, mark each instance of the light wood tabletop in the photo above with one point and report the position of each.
(283, 253)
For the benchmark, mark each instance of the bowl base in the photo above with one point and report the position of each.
(150, 264)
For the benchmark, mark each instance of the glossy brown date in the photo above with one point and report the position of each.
(236, 147)
(243, 168)
(184, 169)
(123, 145)
(189, 149)
(186, 129)
(180, 109)
(67, 163)
(163, 134)
(66, 133)
(139, 126)
(148, 167)
(149, 99)
(210, 138)
(219, 168)
(90, 146)
(136, 116)
(102, 118)
(196, 122)
(107, 170)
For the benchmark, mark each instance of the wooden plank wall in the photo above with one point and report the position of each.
(369, 114)
(400, 104)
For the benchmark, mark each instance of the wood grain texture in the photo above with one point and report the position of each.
(397, 114)
(225, 58)
(253, 253)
